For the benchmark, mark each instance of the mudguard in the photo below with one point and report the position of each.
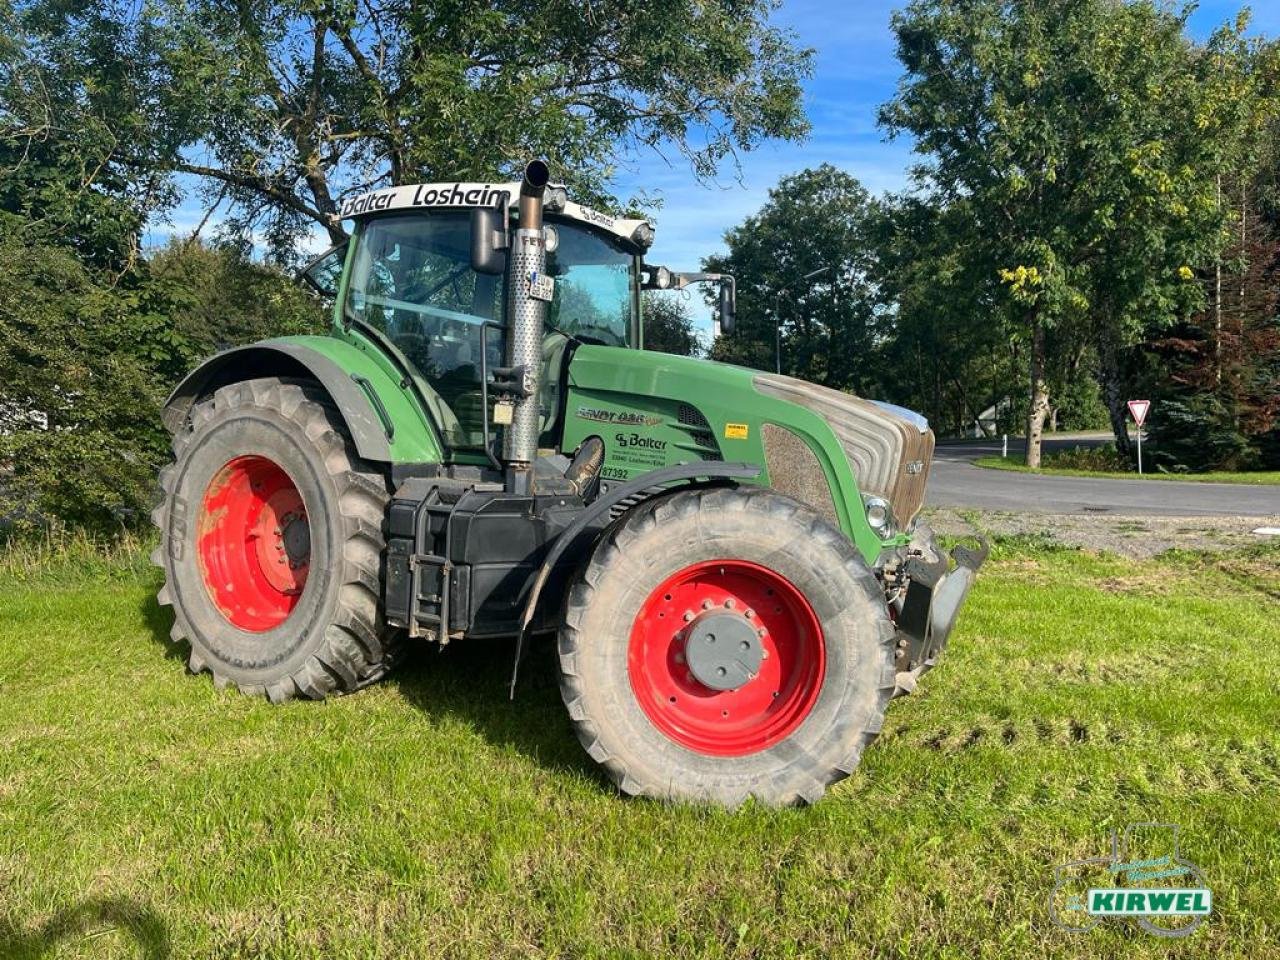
(382, 417)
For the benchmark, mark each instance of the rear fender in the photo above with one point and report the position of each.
(384, 419)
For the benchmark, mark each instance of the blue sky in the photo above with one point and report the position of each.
(854, 72)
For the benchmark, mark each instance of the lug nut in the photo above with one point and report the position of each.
(687, 616)
(706, 604)
(729, 604)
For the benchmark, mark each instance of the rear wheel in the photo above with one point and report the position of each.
(271, 543)
(722, 644)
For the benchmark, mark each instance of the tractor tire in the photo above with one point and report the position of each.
(785, 710)
(271, 540)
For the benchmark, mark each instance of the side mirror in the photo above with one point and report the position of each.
(489, 238)
(728, 305)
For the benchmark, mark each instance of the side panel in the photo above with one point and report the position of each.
(639, 402)
(385, 419)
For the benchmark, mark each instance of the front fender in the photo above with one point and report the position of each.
(383, 418)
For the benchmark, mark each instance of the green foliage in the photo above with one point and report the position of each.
(285, 106)
(79, 436)
(947, 352)
(86, 362)
(1197, 432)
(1103, 459)
(1078, 403)
(1083, 142)
(215, 299)
(668, 324)
(816, 220)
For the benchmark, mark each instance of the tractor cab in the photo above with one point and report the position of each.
(425, 275)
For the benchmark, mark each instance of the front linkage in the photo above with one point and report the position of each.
(930, 603)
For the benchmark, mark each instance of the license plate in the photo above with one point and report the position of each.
(542, 287)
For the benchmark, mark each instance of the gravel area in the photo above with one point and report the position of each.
(1138, 537)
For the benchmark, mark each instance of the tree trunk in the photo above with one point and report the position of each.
(1039, 392)
(1217, 306)
(1112, 393)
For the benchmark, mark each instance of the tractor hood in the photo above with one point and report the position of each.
(889, 447)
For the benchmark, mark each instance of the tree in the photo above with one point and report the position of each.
(286, 106)
(816, 220)
(1079, 136)
(946, 346)
(668, 324)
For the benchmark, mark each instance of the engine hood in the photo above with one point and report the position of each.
(889, 447)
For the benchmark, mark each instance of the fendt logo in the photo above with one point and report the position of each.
(1171, 910)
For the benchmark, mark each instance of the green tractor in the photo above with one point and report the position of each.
(482, 448)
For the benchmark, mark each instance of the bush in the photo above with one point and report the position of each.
(87, 359)
(1104, 459)
(1197, 433)
(1079, 405)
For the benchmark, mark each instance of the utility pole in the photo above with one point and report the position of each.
(777, 317)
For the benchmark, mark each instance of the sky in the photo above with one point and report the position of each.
(855, 71)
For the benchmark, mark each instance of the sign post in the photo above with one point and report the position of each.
(1138, 410)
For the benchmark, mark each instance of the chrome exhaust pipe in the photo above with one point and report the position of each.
(526, 319)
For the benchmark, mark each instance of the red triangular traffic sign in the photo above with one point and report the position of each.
(1138, 410)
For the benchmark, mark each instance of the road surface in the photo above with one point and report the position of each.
(955, 482)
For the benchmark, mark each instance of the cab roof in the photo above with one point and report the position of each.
(461, 195)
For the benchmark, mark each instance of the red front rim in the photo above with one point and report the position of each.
(766, 708)
(254, 543)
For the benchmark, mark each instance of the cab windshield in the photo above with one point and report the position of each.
(412, 281)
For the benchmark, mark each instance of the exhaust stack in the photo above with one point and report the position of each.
(527, 299)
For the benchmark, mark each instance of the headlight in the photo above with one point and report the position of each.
(880, 516)
(659, 278)
(555, 199)
(643, 236)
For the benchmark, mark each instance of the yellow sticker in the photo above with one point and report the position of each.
(735, 431)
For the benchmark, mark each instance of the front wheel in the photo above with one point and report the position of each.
(722, 644)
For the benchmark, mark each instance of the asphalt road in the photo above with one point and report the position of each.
(955, 482)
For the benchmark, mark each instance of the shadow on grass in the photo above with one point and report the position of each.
(91, 918)
(158, 621)
(467, 680)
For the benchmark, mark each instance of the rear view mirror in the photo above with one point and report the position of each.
(728, 305)
(489, 238)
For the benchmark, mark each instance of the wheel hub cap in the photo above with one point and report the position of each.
(723, 650)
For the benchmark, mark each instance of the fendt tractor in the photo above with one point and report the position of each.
(483, 448)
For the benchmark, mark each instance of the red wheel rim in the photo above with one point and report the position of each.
(766, 708)
(254, 543)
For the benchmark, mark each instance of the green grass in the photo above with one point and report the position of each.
(1256, 477)
(144, 813)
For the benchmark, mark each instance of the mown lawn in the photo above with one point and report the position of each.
(142, 813)
(1253, 477)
